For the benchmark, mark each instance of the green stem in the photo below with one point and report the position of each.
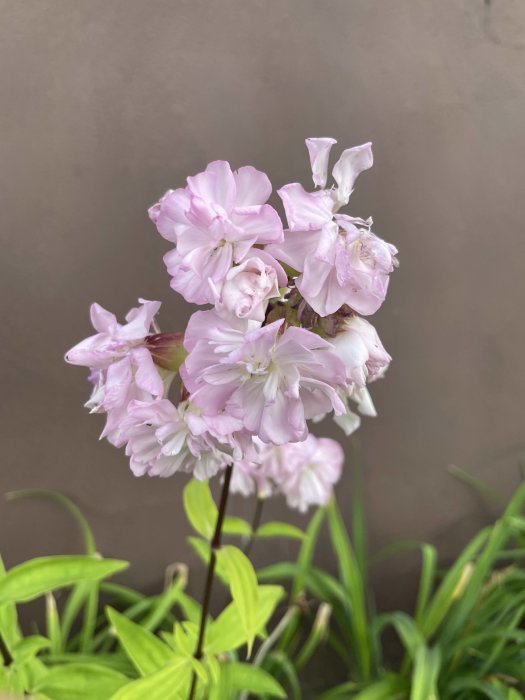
(5, 653)
(215, 545)
(257, 517)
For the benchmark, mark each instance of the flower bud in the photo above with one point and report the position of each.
(167, 350)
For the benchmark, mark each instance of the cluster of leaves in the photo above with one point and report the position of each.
(104, 640)
(465, 639)
(137, 646)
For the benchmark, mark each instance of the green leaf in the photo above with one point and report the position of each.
(145, 651)
(277, 529)
(236, 677)
(8, 616)
(226, 633)
(391, 688)
(236, 526)
(203, 550)
(174, 593)
(428, 575)
(53, 624)
(38, 576)
(28, 648)
(185, 635)
(353, 582)
(89, 622)
(67, 504)
(281, 660)
(406, 629)
(81, 682)
(165, 684)
(452, 584)
(424, 677)
(243, 587)
(200, 508)
(306, 552)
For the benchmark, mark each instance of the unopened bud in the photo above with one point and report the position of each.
(167, 350)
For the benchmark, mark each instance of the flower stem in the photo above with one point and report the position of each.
(257, 516)
(215, 545)
(5, 653)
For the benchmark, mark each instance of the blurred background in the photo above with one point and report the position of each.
(106, 104)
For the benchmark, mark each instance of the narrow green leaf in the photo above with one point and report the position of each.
(53, 624)
(72, 608)
(245, 677)
(428, 575)
(449, 588)
(146, 652)
(38, 576)
(89, 622)
(425, 674)
(67, 504)
(318, 634)
(200, 508)
(306, 552)
(278, 529)
(81, 682)
(160, 609)
(8, 617)
(185, 636)
(279, 660)
(233, 525)
(29, 647)
(243, 588)
(355, 587)
(358, 516)
(227, 633)
(406, 629)
(390, 688)
(165, 684)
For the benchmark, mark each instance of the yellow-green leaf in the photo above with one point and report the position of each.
(243, 587)
(145, 651)
(200, 507)
(37, 576)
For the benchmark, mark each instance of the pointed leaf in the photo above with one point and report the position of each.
(146, 651)
(277, 529)
(37, 576)
(81, 682)
(200, 507)
(165, 684)
(243, 588)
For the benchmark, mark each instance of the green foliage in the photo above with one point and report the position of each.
(243, 586)
(465, 639)
(137, 648)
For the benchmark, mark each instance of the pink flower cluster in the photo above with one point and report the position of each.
(282, 343)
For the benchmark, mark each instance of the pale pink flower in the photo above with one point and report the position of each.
(248, 287)
(122, 366)
(304, 472)
(214, 222)
(250, 474)
(273, 381)
(310, 471)
(341, 260)
(366, 360)
(162, 439)
(362, 351)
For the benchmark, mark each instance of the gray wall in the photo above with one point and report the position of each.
(107, 103)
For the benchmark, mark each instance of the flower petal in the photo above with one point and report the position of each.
(351, 163)
(306, 210)
(319, 150)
